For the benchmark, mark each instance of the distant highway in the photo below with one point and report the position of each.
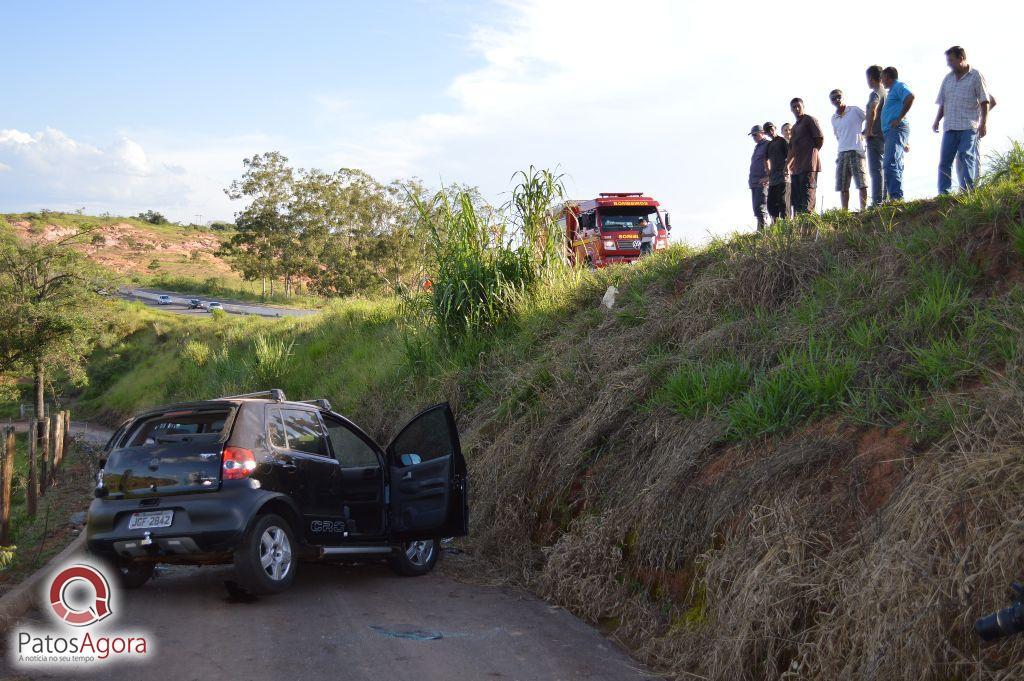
(179, 303)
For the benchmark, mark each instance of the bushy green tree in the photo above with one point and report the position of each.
(50, 311)
(342, 232)
(152, 217)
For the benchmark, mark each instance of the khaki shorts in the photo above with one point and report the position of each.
(850, 164)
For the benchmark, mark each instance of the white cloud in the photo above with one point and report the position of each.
(49, 169)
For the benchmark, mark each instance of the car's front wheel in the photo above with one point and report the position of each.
(265, 563)
(415, 558)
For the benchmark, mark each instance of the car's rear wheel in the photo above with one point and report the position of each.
(265, 563)
(134, 575)
(415, 558)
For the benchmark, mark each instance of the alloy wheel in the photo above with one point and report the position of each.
(420, 552)
(275, 553)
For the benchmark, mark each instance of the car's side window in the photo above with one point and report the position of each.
(427, 437)
(350, 449)
(275, 429)
(303, 430)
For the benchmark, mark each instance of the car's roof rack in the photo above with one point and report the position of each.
(275, 394)
(322, 403)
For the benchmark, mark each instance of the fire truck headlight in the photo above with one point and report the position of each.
(609, 245)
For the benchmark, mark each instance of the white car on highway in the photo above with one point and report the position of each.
(214, 305)
(163, 300)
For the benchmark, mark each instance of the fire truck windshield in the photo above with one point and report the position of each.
(620, 219)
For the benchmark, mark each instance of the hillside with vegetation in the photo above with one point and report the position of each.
(142, 250)
(791, 454)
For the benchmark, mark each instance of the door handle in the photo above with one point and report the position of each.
(407, 476)
(286, 465)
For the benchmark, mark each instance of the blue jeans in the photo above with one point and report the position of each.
(963, 146)
(759, 199)
(892, 161)
(876, 149)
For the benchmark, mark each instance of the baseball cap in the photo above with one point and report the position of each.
(756, 128)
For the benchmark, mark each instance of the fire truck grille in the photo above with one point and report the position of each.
(628, 244)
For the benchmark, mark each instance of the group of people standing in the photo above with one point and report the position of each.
(871, 142)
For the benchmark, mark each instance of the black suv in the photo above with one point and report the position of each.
(261, 482)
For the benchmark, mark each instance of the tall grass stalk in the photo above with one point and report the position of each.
(485, 265)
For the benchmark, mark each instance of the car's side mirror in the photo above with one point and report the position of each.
(668, 222)
(410, 459)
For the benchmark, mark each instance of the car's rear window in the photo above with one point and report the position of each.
(178, 425)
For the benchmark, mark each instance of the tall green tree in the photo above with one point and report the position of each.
(260, 248)
(51, 313)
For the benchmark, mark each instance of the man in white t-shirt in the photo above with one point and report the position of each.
(848, 124)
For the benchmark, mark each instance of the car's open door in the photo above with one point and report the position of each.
(429, 492)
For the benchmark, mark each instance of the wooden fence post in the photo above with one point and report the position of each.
(58, 445)
(44, 455)
(65, 429)
(6, 473)
(30, 489)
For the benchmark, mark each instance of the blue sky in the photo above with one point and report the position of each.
(124, 106)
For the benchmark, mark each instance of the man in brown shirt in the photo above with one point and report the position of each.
(803, 160)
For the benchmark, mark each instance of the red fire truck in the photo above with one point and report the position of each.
(605, 230)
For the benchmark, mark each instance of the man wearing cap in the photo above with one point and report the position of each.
(804, 164)
(778, 176)
(847, 123)
(964, 102)
(758, 177)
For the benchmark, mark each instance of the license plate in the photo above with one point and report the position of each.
(149, 519)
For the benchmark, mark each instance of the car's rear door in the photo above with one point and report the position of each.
(307, 469)
(427, 478)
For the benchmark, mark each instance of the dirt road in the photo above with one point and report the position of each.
(358, 623)
(89, 432)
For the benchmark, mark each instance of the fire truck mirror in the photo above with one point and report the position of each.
(668, 222)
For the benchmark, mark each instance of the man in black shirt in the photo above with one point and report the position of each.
(778, 176)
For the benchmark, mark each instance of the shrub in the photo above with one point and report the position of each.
(268, 362)
(1005, 166)
(696, 388)
(941, 362)
(196, 352)
(940, 299)
(484, 264)
(810, 381)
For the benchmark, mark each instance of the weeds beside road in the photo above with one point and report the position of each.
(61, 511)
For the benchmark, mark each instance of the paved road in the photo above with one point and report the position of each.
(179, 303)
(354, 624)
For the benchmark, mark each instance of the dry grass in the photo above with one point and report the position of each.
(817, 554)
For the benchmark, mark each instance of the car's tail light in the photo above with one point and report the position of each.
(238, 463)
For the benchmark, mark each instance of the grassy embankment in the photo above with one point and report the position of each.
(792, 453)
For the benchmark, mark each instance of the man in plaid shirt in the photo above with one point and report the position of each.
(964, 103)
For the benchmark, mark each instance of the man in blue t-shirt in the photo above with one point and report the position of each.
(896, 130)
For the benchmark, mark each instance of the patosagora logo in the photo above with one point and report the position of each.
(79, 600)
(67, 610)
